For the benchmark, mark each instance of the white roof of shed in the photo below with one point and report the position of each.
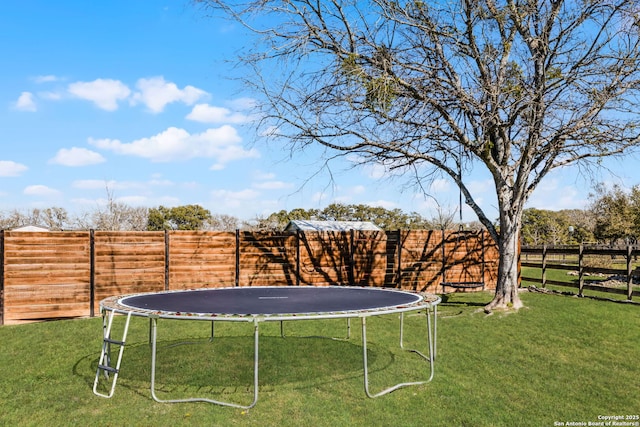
(30, 228)
(310, 225)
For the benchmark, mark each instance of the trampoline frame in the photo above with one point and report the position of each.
(111, 306)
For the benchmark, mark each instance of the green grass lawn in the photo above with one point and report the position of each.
(560, 359)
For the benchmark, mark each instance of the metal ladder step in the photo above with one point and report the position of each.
(108, 368)
(112, 341)
(104, 363)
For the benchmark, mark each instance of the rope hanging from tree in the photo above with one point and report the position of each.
(461, 231)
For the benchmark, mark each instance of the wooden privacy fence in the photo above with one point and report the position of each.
(46, 275)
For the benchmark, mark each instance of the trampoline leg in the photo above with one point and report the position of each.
(431, 341)
(435, 330)
(256, 346)
(430, 358)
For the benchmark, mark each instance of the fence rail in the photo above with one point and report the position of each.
(576, 258)
(46, 275)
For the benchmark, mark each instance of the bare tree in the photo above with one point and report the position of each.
(117, 216)
(444, 218)
(222, 222)
(54, 219)
(518, 87)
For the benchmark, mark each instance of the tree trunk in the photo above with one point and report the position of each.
(506, 296)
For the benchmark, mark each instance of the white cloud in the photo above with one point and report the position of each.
(357, 189)
(272, 185)
(565, 196)
(374, 170)
(52, 96)
(440, 186)
(263, 176)
(9, 168)
(134, 200)
(243, 103)
(231, 153)
(105, 93)
(156, 93)
(481, 186)
(233, 199)
(222, 144)
(45, 79)
(345, 200)
(320, 197)
(26, 102)
(384, 204)
(270, 131)
(161, 182)
(40, 190)
(92, 184)
(205, 113)
(139, 201)
(97, 184)
(75, 156)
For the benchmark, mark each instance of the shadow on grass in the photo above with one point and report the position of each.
(225, 365)
(459, 303)
(458, 299)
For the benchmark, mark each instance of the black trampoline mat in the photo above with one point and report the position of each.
(271, 300)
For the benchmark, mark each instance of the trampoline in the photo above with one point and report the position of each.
(255, 305)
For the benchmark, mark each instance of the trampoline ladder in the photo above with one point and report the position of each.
(104, 363)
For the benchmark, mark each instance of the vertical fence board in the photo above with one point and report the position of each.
(128, 262)
(421, 267)
(1, 277)
(369, 257)
(267, 259)
(46, 275)
(201, 259)
(324, 258)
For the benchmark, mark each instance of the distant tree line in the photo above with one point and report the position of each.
(612, 217)
(118, 216)
(386, 219)
(121, 217)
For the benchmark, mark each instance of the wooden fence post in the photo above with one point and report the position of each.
(351, 270)
(1, 277)
(298, 257)
(92, 272)
(519, 262)
(166, 260)
(444, 259)
(544, 266)
(483, 261)
(399, 268)
(580, 268)
(629, 272)
(237, 281)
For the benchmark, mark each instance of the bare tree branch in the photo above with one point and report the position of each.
(518, 87)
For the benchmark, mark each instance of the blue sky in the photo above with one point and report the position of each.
(134, 98)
